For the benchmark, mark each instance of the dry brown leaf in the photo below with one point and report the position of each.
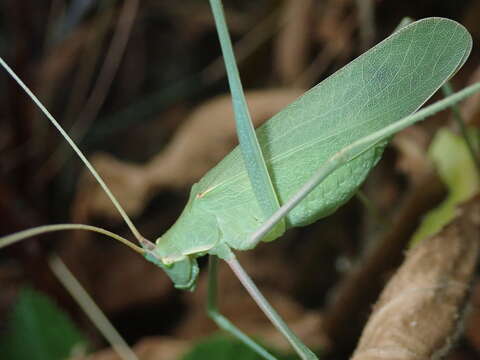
(127, 181)
(203, 140)
(146, 284)
(161, 347)
(419, 312)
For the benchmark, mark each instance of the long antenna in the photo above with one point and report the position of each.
(82, 157)
(21, 235)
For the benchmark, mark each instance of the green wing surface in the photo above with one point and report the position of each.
(387, 83)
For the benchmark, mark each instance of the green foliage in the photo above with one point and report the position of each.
(220, 347)
(456, 168)
(39, 330)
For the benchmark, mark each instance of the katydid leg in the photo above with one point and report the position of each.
(302, 350)
(252, 153)
(222, 321)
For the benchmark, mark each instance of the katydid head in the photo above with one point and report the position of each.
(194, 234)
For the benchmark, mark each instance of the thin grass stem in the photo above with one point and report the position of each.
(91, 309)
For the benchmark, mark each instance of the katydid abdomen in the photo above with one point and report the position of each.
(382, 86)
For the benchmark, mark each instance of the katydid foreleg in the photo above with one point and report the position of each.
(251, 152)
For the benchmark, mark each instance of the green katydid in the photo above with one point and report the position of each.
(310, 158)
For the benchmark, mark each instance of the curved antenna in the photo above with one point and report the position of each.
(82, 157)
(22, 235)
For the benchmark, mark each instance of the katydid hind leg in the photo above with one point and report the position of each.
(222, 321)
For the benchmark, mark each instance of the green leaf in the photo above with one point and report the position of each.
(456, 168)
(220, 347)
(39, 330)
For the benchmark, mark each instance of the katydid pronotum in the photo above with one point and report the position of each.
(308, 160)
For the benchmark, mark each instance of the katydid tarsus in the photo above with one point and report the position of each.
(302, 164)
